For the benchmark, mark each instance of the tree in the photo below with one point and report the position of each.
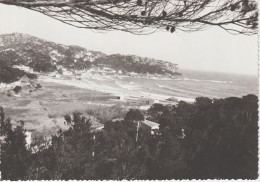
(221, 139)
(115, 150)
(148, 16)
(14, 154)
(73, 149)
(156, 111)
(134, 115)
(119, 156)
(168, 160)
(69, 154)
(208, 139)
(2, 116)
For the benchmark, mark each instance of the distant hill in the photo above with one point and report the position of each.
(45, 56)
(42, 55)
(130, 63)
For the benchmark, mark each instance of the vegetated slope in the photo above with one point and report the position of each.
(130, 63)
(45, 56)
(41, 55)
(9, 74)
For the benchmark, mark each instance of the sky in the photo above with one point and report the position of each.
(210, 50)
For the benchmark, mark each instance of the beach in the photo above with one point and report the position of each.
(64, 94)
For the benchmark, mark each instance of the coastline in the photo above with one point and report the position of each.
(114, 85)
(62, 94)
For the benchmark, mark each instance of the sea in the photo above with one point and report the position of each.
(195, 84)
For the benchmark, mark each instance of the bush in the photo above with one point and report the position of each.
(17, 89)
(9, 74)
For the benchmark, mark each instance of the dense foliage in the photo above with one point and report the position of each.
(14, 154)
(136, 64)
(207, 139)
(9, 74)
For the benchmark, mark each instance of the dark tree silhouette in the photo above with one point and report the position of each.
(14, 155)
(147, 16)
(134, 115)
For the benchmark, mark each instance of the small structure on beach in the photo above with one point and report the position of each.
(121, 97)
(147, 101)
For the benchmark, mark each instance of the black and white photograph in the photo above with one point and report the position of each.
(129, 90)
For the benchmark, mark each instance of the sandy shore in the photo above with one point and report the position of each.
(111, 85)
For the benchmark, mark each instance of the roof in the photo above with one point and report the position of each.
(151, 124)
(96, 126)
(99, 128)
(117, 119)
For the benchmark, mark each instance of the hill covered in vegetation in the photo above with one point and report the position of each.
(45, 56)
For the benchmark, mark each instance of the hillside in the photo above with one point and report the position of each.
(45, 56)
(41, 55)
(130, 63)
